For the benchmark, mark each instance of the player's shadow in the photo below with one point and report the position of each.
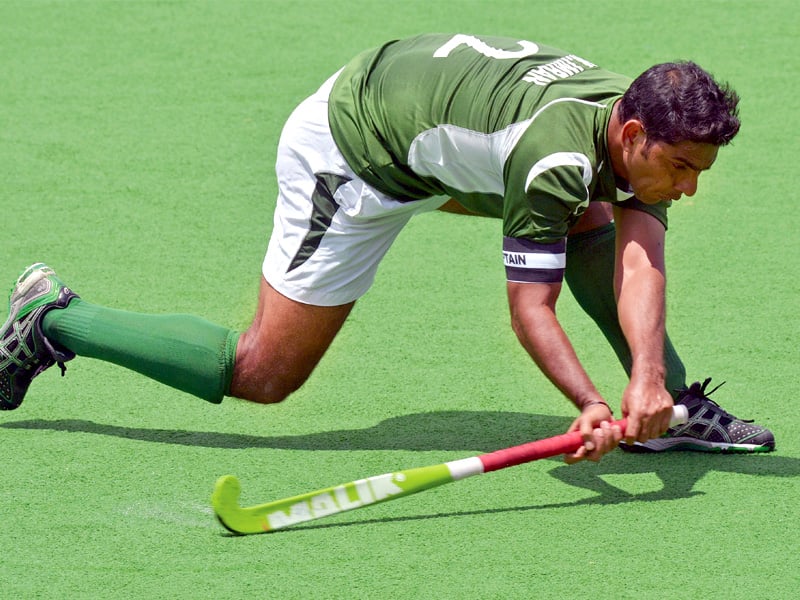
(470, 432)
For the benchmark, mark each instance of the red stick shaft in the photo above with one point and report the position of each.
(553, 446)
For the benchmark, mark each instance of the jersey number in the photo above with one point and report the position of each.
(526, 48)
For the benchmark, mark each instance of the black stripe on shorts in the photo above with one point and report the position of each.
(324, 206)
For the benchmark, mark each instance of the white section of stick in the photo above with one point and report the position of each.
(466, 467)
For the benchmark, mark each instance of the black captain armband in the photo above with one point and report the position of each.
(534, 262)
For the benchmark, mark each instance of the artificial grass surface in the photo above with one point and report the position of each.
(137, 142)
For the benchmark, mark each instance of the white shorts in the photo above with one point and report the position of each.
(331, 229)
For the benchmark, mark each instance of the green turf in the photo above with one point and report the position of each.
(137, 142)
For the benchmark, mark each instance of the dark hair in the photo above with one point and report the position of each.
(679, 102)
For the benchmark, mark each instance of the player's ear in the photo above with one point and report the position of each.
(632, 133)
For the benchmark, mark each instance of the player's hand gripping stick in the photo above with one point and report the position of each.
(379, 488)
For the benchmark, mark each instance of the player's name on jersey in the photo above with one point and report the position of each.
(558, 69)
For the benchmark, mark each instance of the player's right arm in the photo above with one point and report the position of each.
(533, 318)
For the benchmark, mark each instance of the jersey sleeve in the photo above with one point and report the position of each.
(659, 210)
(543, 200)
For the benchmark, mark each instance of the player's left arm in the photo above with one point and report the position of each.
(640, 285)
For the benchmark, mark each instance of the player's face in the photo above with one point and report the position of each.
(663, 171)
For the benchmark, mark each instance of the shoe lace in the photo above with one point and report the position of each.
(699, 391)
(24, 353)
(55, 355)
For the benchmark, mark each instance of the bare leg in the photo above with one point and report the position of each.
(279, 351)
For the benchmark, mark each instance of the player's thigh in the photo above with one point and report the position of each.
(292, 331)
(283, 345)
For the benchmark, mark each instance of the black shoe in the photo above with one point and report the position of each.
(24, 350)
(709, 428)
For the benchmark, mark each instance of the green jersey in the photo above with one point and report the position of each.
(510, 129)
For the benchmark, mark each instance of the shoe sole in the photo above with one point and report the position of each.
(693, 444)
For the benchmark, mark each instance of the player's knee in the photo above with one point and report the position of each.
(264, 397)
(274, 390)
(266, 383)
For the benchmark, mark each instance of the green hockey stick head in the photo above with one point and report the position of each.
(225, 500)
(322, 503)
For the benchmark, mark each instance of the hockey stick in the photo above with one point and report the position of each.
(363, 492)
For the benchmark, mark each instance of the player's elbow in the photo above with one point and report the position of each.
(531, 304)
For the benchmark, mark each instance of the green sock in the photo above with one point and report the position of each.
(182, 351)
(590, 276)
